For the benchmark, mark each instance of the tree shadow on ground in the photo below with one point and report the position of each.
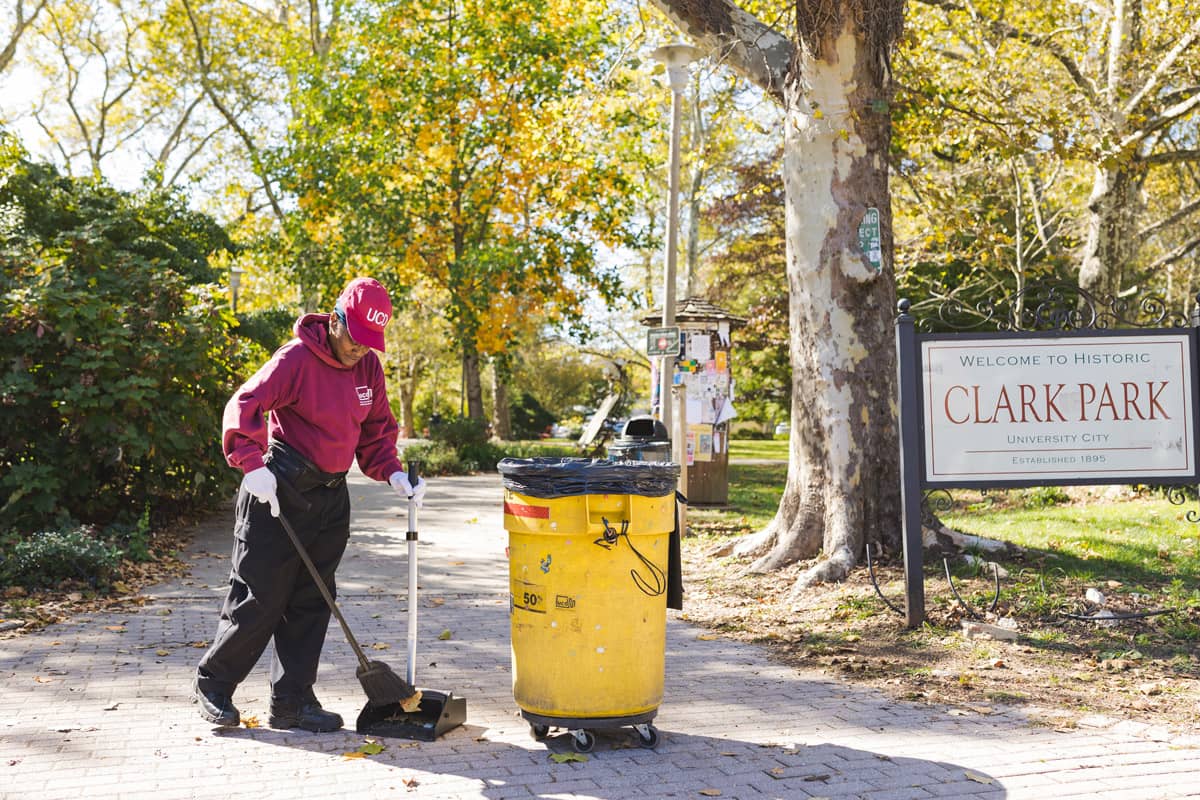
(467, 763)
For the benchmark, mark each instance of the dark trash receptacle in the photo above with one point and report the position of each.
(642, 439)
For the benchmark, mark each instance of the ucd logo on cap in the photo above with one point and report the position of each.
(377, 317)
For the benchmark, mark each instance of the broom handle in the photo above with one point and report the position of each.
(411, 536)
(296, 499)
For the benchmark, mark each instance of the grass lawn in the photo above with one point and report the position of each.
(1141, 549)
(759, 448)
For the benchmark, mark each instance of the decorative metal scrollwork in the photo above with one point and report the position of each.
(934, 502)
(1054, 306)
(1178, 495)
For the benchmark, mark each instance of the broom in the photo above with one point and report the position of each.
(381, 685)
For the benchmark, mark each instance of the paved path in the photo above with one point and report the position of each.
(99, 706)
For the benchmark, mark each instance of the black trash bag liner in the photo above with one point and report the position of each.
(567, 477)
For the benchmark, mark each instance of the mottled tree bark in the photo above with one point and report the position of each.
(843, 470)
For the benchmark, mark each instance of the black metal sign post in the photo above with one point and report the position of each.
(949, 441)
(908, 382)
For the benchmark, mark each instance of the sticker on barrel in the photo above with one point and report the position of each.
(529, 596)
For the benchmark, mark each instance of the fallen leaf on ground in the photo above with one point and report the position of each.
(371, 748)
(436, 601)
(161, 652)
(40, 679)
(444, 635)
(707, 637)
(198, 645)
(116, 628)
(250, 721)
(411, 783)
(355, 754)
(972, 776)
(380, 646)
(562, 758)
(711, 792)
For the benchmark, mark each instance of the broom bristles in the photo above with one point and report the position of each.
(383, 686)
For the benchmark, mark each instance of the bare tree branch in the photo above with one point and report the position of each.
(1165, 64)
(1163, 118)
(204, 66)
(1172, 157)
(1163, 224)
(1174, 255)
(1041, 41)
(19, 27)
(736, 38)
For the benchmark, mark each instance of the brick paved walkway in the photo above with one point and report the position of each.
(99, 706)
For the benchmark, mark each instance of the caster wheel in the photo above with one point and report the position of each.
(647, 735)
(583, 741)
(538, 731)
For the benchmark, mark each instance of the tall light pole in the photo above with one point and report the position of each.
(676, 56)
(235, 281)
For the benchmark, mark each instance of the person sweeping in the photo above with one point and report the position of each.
(327, 402)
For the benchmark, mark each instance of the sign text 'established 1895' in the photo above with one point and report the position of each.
(1063, 408)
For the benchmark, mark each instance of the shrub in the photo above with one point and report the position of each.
(529, 419)
(459, 431)
(444, 458)
(133, 539)
(115, 354)
(47, 558)
(441, 458)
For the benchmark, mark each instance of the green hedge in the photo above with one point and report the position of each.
(116, 358)
(460, 446)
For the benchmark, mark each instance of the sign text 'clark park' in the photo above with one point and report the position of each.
(1061, 408)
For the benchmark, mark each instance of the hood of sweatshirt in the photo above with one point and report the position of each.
(313, 332)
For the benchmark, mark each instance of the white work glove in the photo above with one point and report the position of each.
(399, 482)
(261, 483)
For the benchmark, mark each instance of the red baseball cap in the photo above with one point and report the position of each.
(368, 310)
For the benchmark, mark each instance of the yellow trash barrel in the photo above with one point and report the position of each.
(588, 548)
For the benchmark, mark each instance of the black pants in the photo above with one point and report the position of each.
(272, 594)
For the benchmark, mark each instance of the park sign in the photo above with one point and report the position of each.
(1070, 389)
(1102, 407)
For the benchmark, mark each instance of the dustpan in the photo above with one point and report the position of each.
(440, 711)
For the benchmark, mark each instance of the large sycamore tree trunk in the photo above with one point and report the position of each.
(1113, 211)
(832, 78)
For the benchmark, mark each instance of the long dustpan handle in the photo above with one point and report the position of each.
(296, 499)
(411, 676)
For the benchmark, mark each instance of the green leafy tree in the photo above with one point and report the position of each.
(468, 145)
(749, 278)
(1079, 121)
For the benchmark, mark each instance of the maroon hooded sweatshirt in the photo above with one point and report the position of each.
(329, 412)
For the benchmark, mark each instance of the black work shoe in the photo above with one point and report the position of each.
(217, 708)
(305, 713)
